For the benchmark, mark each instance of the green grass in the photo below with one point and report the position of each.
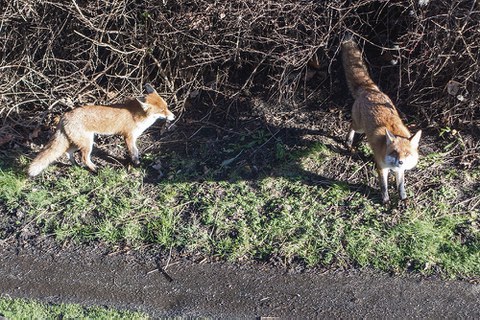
(283, 215)
(30, 309)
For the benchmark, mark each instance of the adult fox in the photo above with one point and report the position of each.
(374, 114)
(78, 127)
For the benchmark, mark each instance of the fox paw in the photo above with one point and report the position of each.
(403, 203)
(351, 148)
(385, 198)
(136, 161)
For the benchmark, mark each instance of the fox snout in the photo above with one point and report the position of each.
(170, 116)
(401, 163)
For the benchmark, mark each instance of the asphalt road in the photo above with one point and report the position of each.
(224, 290)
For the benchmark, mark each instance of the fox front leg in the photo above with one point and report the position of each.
(400, 177)
(132, 149)
(383, 182)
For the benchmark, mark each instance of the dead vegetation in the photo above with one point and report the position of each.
(58, 54)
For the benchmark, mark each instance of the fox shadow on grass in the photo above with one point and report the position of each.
(226, 150)
(248, 150)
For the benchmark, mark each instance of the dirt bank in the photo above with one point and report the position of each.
(88, 276)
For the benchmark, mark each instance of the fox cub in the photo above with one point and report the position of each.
(374, 114)
(78, 127)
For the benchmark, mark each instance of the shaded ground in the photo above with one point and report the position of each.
(91, 277)
(256, 138)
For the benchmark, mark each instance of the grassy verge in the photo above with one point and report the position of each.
(30, 309)
(302, 209)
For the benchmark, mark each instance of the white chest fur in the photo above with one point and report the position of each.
(143, 125)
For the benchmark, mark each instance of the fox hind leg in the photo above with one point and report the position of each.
(85, 144)
(86, 158)
(349, 140)
(70, 151)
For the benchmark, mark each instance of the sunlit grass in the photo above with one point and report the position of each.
(30, 309)
(283, 216)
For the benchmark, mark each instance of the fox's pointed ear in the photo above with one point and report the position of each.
(149, 89)
(143, 103)
(389, 136)
(415, 140)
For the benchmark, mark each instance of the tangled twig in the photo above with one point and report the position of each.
(215, 52)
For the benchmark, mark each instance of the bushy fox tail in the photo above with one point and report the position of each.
(54, 149)
(355, 69)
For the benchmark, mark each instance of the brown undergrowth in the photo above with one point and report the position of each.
(56, 55)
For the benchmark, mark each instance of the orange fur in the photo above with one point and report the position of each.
(374, 114)
(77, 128)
